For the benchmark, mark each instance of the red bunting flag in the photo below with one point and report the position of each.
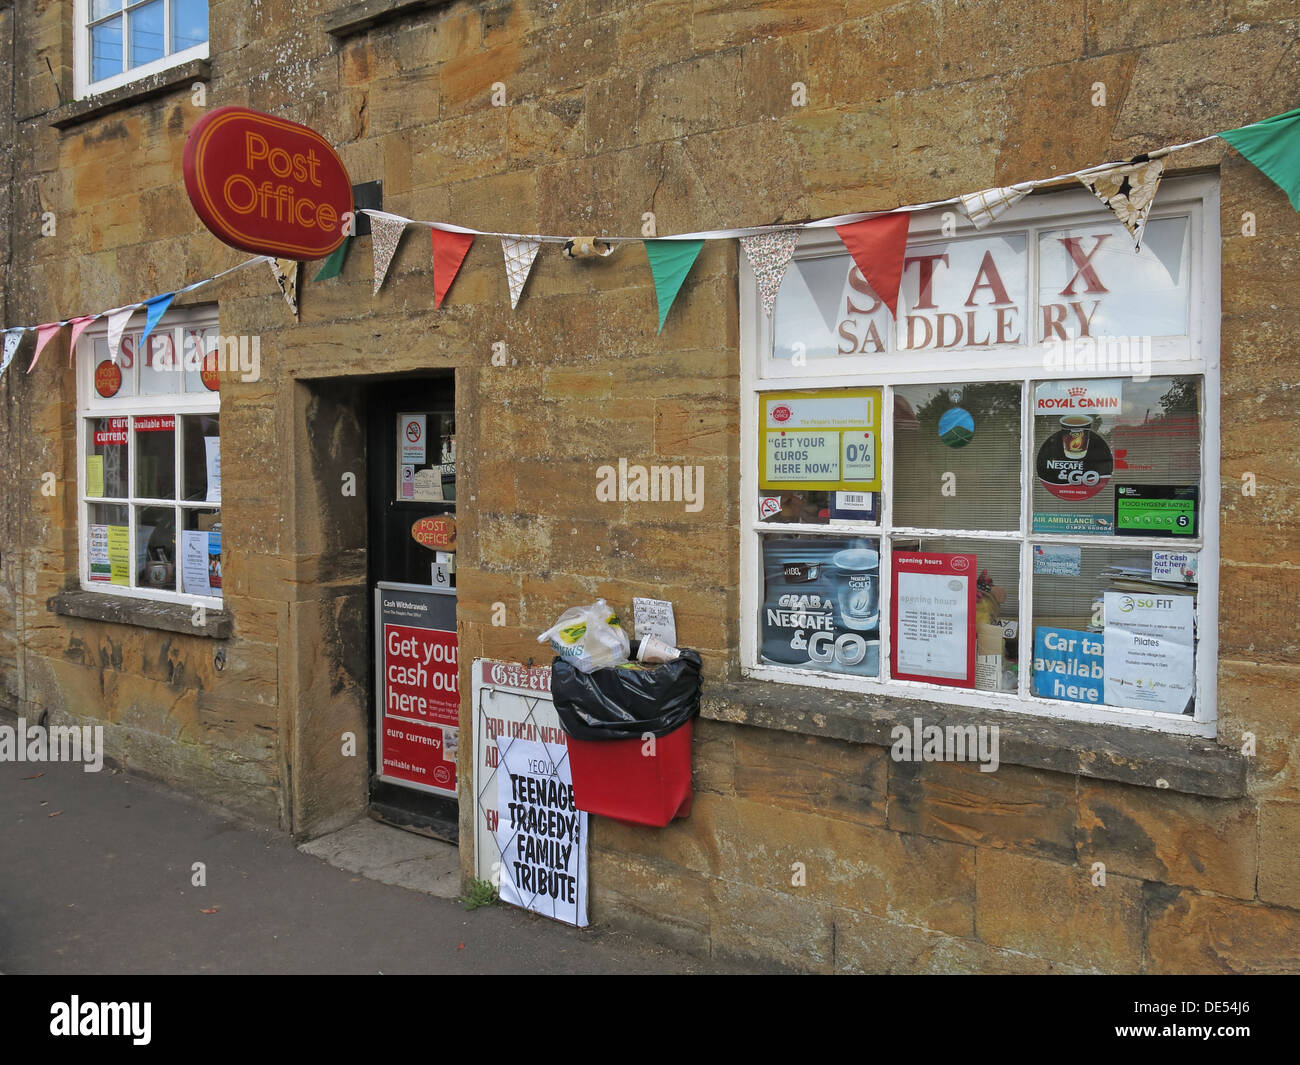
(449, 251)
(878, 246)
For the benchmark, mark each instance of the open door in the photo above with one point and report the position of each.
(411, 482)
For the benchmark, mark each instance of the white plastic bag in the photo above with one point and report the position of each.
(590, 636)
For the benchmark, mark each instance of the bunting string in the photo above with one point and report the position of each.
(876, 240)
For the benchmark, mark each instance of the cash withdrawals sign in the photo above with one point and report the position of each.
(417, 686)
(823, 440)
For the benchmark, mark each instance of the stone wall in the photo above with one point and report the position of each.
(683, 108)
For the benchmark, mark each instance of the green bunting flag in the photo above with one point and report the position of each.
(670, 262)
(333, 266)
(1274, 146)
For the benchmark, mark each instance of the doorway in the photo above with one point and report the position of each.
(411, 577)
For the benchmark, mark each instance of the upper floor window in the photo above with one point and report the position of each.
(119, 41)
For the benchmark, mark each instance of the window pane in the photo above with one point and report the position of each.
(106, 49)
(818, 508)
(113, 380)
(155, 457)
(189, 23)
(201, 362)
(161, 369)
(821, 604)
(100, 8)
(971, 293)
(1114, 628)
(201, 444)
(107, 544)
(201, 552)
(957, 456)
(825, 310)
(155, 547)
(931, 612)
(1093, 284)
(1121, 449)
(147, 41)
(105, 469)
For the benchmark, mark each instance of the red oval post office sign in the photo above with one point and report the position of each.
(267, 185)
(435, 533)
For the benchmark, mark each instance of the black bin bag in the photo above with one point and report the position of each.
(621, 704)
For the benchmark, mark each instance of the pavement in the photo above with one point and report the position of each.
(97, 871)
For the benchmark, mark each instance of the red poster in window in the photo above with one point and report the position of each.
(932, 616)
(417, 686)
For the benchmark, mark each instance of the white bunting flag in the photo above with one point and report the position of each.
(520, 253)
(1129, 191)
(385, 233)
(285, 272)
(117, 319)
(769, 254)
(12, 339)
(983, 207)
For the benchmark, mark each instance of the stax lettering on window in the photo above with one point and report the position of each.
(928, 326)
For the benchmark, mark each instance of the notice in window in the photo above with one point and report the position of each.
(820, 440)
(212, 453)
(1149, 651)
(100, 568)
(94, 475)
(119, 554)
(934, 618)
(194, 562)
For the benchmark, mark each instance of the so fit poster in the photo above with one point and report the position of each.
(821, 606)
(416, 681)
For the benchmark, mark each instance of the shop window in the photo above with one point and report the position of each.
(120, 41)
(149, 432)
(1006, 497)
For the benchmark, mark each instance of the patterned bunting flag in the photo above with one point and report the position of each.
(1129, 190)
(333, 266)
(878, 246)
(285, 272)
(670, 262)
(154, 308)
(1274, 146)
(983, 207)
(519, 253)
(769, 254)
(12, 338)
(44, 333)
(117, 319)
(78, 327)
(449, 251)
(385, 234)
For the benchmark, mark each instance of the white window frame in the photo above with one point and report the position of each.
(1195, 354)
(83, 62)
(92, 405)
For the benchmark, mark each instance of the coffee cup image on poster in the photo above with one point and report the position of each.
(1074, 463)
(821, 605)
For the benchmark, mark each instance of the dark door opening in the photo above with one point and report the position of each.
(411, 574)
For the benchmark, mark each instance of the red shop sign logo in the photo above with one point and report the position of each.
(267, 185)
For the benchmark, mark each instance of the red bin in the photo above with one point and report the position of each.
(615, 778)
